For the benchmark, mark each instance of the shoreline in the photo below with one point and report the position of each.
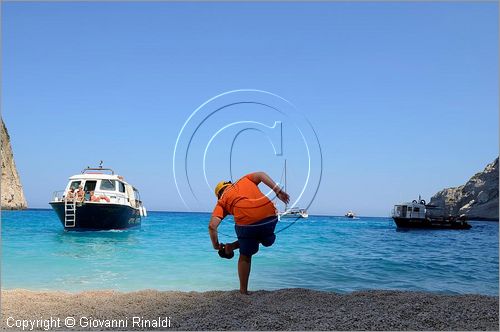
(133, 291)
(284, 309)
(208, 213)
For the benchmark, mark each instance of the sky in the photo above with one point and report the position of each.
(403, 97)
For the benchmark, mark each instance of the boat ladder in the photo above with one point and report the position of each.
(69, 213)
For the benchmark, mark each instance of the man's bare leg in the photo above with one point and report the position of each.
(244, 265)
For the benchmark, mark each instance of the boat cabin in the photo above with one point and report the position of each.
(111, 188)
(409, 210)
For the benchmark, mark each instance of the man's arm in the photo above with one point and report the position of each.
(212, 230)
(259, 177)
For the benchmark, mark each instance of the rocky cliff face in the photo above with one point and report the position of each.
(477, 199)
(12, 195)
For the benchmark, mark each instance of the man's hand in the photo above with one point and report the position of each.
(283, 196)
(259, 177)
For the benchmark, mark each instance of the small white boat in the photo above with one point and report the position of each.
(294, 212)
(350, 214)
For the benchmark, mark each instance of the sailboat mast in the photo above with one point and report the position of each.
(285, 185)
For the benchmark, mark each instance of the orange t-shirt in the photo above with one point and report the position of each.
(245, 202)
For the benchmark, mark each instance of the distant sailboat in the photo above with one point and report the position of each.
(293, 212)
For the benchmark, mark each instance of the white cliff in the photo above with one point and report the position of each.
(12, 194)
(477, 199)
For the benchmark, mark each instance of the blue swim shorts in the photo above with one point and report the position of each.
(261, 232)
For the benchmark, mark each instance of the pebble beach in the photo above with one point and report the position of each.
(285, 309)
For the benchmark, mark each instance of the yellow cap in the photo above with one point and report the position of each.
(221, 185)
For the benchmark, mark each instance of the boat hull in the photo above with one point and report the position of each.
(293, 215)
(100, 216)
(430, 224)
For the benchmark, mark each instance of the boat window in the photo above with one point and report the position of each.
(75, 184)
(136, 194)
(416, 209)
(108, 185)
(121, 187)
(89, 186)
(409, 208)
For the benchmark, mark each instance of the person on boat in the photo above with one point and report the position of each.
(94, 198)
(80, 194)
(255, 219)
(71, 194)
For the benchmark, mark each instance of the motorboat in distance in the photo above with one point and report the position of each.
(349, 214)
(414, 215)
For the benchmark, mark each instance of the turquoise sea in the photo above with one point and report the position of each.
(172, 251)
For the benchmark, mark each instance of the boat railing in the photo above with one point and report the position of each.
(99, 169)
(114, 197)
(58, 196)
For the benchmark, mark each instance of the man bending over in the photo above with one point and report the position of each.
(254, 215)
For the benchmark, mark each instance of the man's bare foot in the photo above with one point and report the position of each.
(244, 292)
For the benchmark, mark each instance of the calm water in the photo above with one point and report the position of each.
(172, 251)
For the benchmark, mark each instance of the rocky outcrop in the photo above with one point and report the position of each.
(12, 195)
(477, 199)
